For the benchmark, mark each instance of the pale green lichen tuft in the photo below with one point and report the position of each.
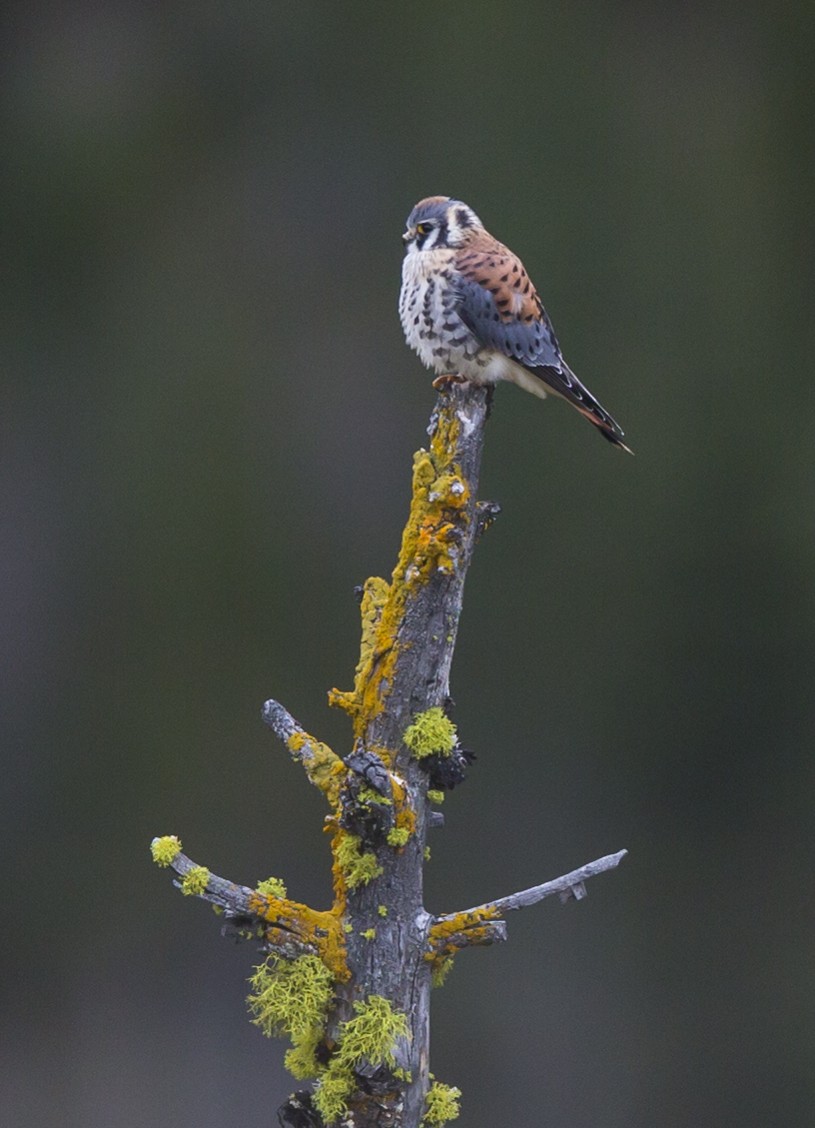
(357, 866)
(165, 850)
(382, 910)
(332, 1092)
(370, 1037)
(398, 836)
(431, 734)
(368, 796)
(272, 887)
(435, 796)
(403, 1075)
(427, 853)
(292, 997)
(441, 1104)
(368, 934)
(441, 969)
(195, 881)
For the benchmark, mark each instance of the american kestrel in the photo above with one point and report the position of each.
(470, 311)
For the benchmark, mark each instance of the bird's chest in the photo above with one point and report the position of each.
(427, 308)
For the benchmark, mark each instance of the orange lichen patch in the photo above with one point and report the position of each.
(339, 883)
(405, 816)
(321, 929)
(375, 593)
(439, 512)
(447, 936)
(374, 597)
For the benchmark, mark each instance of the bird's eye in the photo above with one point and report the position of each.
(424, 228)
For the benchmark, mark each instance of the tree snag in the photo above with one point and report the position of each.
(350, 986)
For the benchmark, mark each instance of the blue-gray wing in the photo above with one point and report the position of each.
(499, 304)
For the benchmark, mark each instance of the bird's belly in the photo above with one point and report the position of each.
(434, 330)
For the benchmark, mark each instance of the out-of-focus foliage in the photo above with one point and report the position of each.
(207, 421)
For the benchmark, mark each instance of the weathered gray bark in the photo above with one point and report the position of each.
(394, 963)
(378, 939)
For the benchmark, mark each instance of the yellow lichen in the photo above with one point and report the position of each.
(292, 997)
(398, 836)
(371, 1037)
(439, 508)
(435, 796)
(272, 887)
(440, 969)
(382, 910)
(332, 1092)
(357, 867)
(324, 767)
(441, 1104)
(165, 850)
(432, 733)
(368, 934)
(367, 795)
(195, 881)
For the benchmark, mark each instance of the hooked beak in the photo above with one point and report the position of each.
(407, 236)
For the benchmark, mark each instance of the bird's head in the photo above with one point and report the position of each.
(439, 221)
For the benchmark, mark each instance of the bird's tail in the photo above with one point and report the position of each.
(607, 426)
(565, 384)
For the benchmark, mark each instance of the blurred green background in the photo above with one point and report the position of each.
(208, 416)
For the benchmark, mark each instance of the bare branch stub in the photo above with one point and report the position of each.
(463, 929)
(285, 927)
(323, 767)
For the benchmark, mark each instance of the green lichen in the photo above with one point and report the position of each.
(165, 850)
(435, 796)
(382, 910)
(272, 887)
(357, 866)
(431, 734)
(427, 853)
(441, 1104)
(368, 934)
(368, 795)
(195, 881)
(403, 1075)
(441, 969)
(332, 1093)
(370, 1037)
(398, 836)
(292, 997)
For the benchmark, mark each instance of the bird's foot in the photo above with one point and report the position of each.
(444, 381)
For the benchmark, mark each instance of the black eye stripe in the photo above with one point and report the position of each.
(436, 234)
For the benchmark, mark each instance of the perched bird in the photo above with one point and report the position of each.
(470, 311)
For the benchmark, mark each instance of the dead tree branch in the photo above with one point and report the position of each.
(351, 984)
